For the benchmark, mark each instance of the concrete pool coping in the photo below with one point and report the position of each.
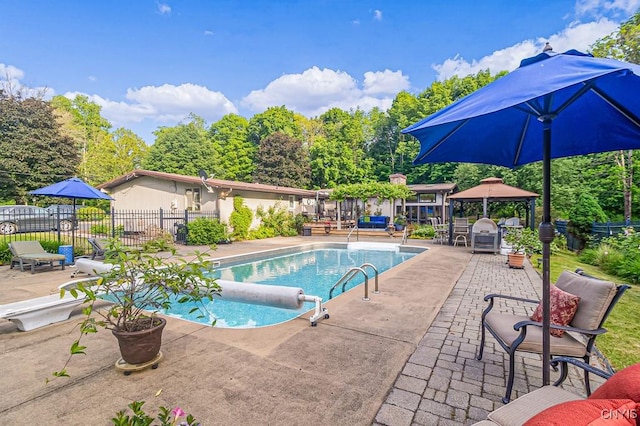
(338, 372)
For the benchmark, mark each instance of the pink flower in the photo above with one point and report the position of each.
(177, 412)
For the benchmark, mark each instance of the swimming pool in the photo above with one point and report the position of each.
(314, 268)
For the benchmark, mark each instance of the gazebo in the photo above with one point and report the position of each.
(490, 190)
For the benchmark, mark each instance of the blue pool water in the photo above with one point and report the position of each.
(315, 271)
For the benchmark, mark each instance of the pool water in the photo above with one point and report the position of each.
(315, 271)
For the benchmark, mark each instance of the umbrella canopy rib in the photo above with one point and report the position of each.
(443, 140)
(616, 105)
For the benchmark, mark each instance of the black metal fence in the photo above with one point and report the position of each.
(599, 230)
(133, 227)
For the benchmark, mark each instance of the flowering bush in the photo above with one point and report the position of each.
(140, 418)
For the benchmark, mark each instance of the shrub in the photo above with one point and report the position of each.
(298, 223)
(261, 232)
(105, 229)
(205, 231)
(240, 219)
(279, 220)
(5, 254)
(423, 232)
(162, 242)
(583, 214)
(90, 213)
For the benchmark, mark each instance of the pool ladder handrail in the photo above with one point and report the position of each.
(355, 228)
(352, 273)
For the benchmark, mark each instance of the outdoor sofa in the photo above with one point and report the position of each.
(373, 222)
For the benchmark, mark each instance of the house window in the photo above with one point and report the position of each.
(427, 198)
(291, 202)
(192, 196)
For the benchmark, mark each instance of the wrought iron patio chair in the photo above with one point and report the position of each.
(519, 333)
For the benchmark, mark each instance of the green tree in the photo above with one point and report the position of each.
(274, 119)
(338, 156)
(234, 153)
(184, 149)
(34, 151)
(86, 118)
(282, 161)
(115, 154)
(623, 44)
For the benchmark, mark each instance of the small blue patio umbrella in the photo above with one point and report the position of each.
(554, 105)
(73, 188)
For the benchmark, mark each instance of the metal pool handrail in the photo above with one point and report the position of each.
(352, 273)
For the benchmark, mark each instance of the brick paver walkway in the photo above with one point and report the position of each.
(442, 383)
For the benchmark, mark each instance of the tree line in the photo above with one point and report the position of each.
(46, 141)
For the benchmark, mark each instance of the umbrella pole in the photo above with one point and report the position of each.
(546, 235)
(73, 232)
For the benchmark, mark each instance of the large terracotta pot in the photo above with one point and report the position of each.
(138, 347)
(516, 260)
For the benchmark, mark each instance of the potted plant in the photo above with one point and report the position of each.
(400, 222)
(135, 289)
(524, 242)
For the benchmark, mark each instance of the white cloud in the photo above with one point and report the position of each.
(576, 36)
(316, 91)
(385, 82)
(11, 82)
(166, 104)
(377, 15)
(597, 7)
(164, 9)
(9, 72)
(208, 32)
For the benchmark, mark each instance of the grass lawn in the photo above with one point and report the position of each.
(621, 345)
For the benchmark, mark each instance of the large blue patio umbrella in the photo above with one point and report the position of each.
(73, 188)
(554, 105)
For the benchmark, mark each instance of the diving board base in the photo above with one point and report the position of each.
(127, 368)
(40, 311)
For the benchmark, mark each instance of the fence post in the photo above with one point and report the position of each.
(113, 223)
(161, 219)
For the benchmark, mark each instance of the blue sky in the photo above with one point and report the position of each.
(151, 63)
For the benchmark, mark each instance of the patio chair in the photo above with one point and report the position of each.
(98, 250)
(520, 333)
(442, 232)
(32, 253)
(460, 230)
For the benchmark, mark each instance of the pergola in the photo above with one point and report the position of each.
(491, 190)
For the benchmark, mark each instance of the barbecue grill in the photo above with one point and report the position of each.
(484, 236)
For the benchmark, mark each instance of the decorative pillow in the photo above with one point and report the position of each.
(563, 308)
(624, 384)
(588, 412)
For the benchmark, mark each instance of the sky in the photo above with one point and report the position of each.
(150, 64)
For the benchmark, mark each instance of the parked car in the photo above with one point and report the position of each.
(63, 208)
(31, 218)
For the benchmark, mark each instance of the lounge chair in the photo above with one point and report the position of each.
(32, 253)
(520, 333)
(98, 250)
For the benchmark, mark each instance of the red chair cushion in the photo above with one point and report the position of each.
(624, 384)
(588, 412)
(563, 307)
